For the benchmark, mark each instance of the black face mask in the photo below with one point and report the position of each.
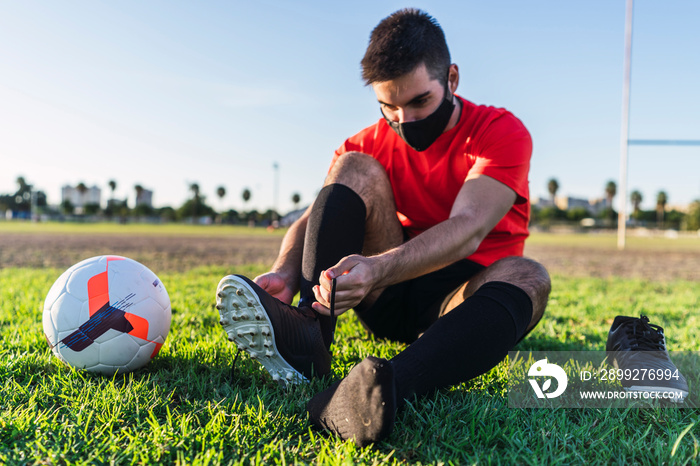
(420, 134)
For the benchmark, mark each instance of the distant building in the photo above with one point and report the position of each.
(79, 200)
(679, 207)
(568, 203)
(292, 217)
(541, 202)
(144, 197)
(593, 206)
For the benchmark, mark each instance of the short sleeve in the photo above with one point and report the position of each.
(503, 152)
(360, 142)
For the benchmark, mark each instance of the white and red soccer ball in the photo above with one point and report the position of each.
(107, 314)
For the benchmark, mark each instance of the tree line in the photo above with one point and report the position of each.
(27, 201)
(659, 217)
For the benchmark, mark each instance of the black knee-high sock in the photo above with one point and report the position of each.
(467, 342)
(336, 229)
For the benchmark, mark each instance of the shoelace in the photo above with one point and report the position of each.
(333, 309)
(649, 337)
(333, 299)
(233, 366)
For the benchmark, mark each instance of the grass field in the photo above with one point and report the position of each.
(188, 407)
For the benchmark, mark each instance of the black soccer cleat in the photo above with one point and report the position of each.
(285, 339)
(639, 349)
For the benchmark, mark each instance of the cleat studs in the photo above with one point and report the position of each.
(239, 292)
(220, 306)
(222, 322)
(230, 338)
(276, 377)
(289, 376)
(220, 294)
(235, 305)
(250, 304)
(234, 317)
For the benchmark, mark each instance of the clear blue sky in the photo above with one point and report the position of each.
(167, 93)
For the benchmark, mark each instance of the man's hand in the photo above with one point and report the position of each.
(354, 281)
(276, 285)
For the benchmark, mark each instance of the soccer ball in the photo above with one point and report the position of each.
(107, 314)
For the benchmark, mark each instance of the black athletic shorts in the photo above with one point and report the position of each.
(405, 310)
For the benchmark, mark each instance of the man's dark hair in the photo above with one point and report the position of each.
(401, 42)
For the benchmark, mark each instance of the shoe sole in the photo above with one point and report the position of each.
(654, 389)
(245, 321)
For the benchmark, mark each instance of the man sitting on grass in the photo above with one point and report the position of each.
(419, 228)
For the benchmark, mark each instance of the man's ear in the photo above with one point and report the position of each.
(453, 78)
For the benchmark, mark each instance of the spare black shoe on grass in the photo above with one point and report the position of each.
(638, 348)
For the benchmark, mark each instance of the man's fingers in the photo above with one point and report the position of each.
(351, 286)
(262, 281)
(344, 300)
(321, 309)
(345, 265)
(343, 281)
(321, 295)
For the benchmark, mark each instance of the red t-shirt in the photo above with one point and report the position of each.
(486, 140)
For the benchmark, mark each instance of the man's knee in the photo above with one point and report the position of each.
(360, 172)
(527, 274)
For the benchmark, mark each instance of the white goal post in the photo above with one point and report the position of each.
(625, 141)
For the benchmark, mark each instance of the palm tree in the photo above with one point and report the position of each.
(552, 187)
(112, 186)
(246, 197)
(221, 192)
(661, 200)
(636, 199)
(82, 189)
(194, 187)
(610, 192)
(296, 197)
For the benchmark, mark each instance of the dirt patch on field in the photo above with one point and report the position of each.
(176, 253)
(647, 264)
(179, 253)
